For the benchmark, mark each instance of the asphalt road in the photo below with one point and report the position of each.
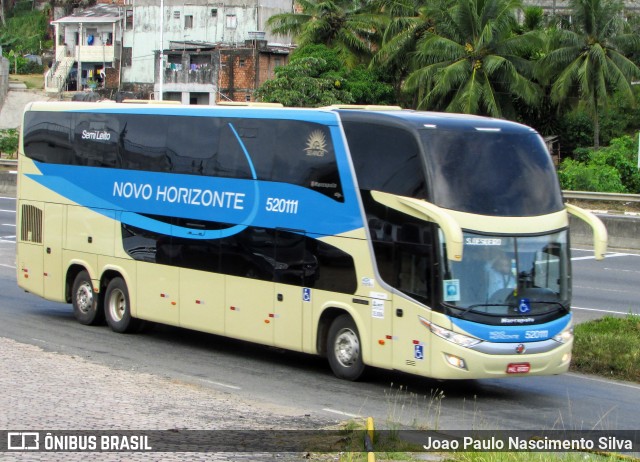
(275, 376)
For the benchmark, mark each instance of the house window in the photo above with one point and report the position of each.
(241, 62)
(247, 97)
(129, 19)
(214, 12)
(126, 56)
(232, 21)
(176, 15)
(188, 21)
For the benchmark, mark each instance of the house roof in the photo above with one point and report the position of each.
(94, 14)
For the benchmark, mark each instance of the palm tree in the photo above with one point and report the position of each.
(348, 26)
(589, 62)
(407, 24)
(471, 60)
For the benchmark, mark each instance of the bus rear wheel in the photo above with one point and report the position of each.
(344, 349)
(85, 301)
(117, 309)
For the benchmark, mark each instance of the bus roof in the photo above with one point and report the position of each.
(328, 115)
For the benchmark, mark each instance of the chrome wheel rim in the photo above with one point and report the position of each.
(347, 347)
(117, 305)
(84, 297)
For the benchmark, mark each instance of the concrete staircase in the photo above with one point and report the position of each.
(54, 81)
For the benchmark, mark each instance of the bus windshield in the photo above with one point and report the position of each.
(508, 276)
(491, 173)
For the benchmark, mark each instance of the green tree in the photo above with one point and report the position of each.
(588, 63)
(315, 77)
(408, 23)
(305, 82)
(351, 27)
(472, 61)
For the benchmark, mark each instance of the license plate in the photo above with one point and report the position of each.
(518, 368)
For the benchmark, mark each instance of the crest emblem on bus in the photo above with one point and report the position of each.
(316, 144)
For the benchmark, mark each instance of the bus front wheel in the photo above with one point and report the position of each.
(117, 309)
(344, 349)
(85, 301)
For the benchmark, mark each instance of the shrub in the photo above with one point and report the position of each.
(580, 176)
(9, 141)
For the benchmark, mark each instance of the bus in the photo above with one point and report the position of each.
(370, 236)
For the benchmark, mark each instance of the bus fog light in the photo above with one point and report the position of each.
(455, 361)
(566, 358)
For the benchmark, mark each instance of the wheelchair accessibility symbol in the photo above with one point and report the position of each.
(524, 306)
(418, 351)
(306, 294)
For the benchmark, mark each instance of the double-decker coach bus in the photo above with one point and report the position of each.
(434, 244)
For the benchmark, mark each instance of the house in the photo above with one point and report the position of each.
(88, 44)
(203, 73)
(210, 50)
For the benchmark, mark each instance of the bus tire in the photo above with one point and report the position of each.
(117, 309)
(85, 301)
(344, 349)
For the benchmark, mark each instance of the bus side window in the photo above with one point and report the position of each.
(386, 159)
(191, 144)
(306, 158)
(95, 140)
(231, 160)
(142, 143)
(47, 137)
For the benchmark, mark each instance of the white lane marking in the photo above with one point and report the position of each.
(233, 387)
(621, 270)
(8, 198)
(8, 224)
(2, 241)
(592, 257)
(624, 313)
(8, 211)
(605, 381)
(600, 289)
(342, 413)
(7, 266)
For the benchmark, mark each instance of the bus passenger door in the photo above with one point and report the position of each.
(295, 269)
(52, 267)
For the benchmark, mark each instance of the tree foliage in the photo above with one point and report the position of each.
(610, 169)
(472, 62)
(349, 27)
(589, 61)
(315, 77)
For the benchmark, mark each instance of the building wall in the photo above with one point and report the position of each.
(237, 74)
(244, 70)
(220, 22)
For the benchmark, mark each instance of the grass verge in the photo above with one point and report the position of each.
(32, 81)
(609, 347)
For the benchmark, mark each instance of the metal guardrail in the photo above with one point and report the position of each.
(600, 196)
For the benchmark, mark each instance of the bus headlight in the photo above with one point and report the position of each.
(449, 335)
(564, 336)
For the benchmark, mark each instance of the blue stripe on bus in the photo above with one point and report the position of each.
(511, 334)
(234, 201)
(304, 115)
